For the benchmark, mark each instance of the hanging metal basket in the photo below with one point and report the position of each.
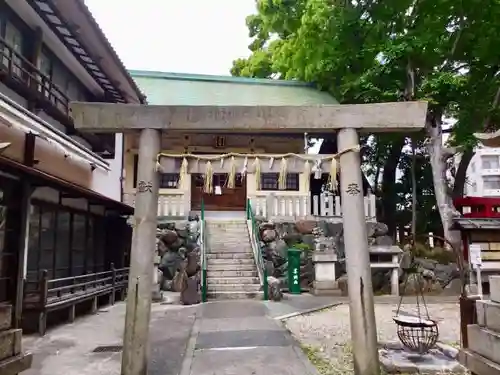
(418, 333)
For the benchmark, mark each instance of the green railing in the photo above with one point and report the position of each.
(257, 250)
(203, 255)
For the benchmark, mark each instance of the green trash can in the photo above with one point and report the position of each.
(294, 271)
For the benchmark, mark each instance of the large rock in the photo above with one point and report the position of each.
(266, 225)
(192, 264)
(180, 281)
(182, 229)
(170, 263)
(274, 289)
(176, 245)
(416, 284)
(278, 249)
(305, 226)
(292, 238)
(191, 294)
(268, 235)
(376, 229)
(169, 237)
(384, 241)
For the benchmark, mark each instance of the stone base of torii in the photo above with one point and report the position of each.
(346, 120)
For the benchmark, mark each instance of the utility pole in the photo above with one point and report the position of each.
(136, 335)
(359, 278)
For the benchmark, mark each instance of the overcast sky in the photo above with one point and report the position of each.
(183, 36)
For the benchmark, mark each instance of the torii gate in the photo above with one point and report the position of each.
(346, 120)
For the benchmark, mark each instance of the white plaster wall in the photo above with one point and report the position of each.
(109, 183)
(475, 174)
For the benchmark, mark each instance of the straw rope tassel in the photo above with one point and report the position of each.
(158, 166)
(231, 179)
(332, 178)
(307, 174)
(282, 175)
(209, 177)
(183, 172)
(244, 170)
(257, 173)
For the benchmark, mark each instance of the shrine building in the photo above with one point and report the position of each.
(275, 171)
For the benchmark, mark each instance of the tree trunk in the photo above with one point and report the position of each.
(388, 191)
(444, 201)
(461, 174)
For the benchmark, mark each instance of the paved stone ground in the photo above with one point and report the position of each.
(221, 338)
(238, 338)
(67, 349)
(328, 331)
(303, 303)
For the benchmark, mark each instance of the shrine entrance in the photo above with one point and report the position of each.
(221, 198)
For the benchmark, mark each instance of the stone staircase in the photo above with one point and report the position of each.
(231, 269)
(483, 355)
(12, 359)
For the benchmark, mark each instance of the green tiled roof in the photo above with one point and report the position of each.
(197, 89)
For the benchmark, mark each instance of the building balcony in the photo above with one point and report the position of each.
(490, 172)
(19, 74)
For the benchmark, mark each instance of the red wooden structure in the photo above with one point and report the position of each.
(478, 207)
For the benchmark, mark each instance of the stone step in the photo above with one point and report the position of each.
(488, 314)
(229, 255)
(229, 245)
(477, 364)
(234, 295)
(234, 288)
(233, 280)
(484, 342)
(222, 225)
(231, 273)
(226, 227)
(220, 238)
(230, 235)
(223, 240)
(495, 288)
(231, 267)
(230, 262)
(16, 364)
(10, 343)
(5, 316)
(231, 249)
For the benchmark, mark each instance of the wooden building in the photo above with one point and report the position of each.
(58, 217)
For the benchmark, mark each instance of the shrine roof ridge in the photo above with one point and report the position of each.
(218, 78)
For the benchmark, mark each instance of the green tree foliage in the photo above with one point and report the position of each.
(365, 51)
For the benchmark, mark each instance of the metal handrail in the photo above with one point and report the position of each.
(203, 255)
(257, 249)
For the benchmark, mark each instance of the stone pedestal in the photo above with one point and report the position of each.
(482, 357)
(324, 273)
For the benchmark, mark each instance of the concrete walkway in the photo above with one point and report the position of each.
(70, 348)
(239, 338)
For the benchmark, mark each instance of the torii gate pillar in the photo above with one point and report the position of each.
(359, 276)
(135, 338)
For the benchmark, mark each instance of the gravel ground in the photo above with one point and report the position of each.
(326, 333)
